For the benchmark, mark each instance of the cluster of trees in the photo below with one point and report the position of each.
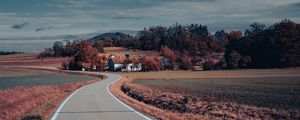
(186, 45)
(114, 40)
(191, 39)
(261, 47)
(175, 60)
(85, 52)
(81, 51)
(71, 49)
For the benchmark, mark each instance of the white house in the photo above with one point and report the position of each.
(131, 67)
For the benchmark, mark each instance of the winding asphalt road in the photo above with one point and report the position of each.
(95, 102)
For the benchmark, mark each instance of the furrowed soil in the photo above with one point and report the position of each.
(272, 92)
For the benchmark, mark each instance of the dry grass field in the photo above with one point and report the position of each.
(229, 94)
(21, 56)
(30, 59)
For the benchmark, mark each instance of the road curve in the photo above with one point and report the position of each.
(95, 102)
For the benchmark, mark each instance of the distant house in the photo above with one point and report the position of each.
(163, 60)
(115, 64)
(165, 64)
(131, 67)
(112, 56)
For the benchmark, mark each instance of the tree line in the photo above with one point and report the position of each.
(259, 46)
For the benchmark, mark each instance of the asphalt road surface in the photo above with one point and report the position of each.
(95, 102)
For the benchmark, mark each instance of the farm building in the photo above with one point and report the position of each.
(131, 67)
(117, 64)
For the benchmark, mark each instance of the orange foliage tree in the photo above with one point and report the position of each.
(168, 53)
(150, 64)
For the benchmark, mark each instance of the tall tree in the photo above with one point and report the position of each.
(58, 48)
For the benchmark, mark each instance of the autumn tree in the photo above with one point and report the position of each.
(184, 60)
(99, 46)
(237, 34)
(87, 53)
(169, 54)
(101, 63)
(150, 64)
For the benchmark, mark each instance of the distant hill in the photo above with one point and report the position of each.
(116, 39)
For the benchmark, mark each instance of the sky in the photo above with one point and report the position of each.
(56, 19)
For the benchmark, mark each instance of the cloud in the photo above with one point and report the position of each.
(89, 16)
(39, 29)
(43, 29)
(19, 26)
(51, 27)
(125, 17)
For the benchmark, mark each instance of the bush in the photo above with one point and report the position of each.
(150, 64)
(209, 65)
(64, 66)
(233, 60)
(245, 61)
(74, 65)
(47, 53)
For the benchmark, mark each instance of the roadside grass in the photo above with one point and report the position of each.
(19, 101)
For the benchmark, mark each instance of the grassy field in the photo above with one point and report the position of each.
(213, 74)
(13, 77)
(272, 92)
(224, 94)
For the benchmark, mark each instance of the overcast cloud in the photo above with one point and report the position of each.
(51, 18)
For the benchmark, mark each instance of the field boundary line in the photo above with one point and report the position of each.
(107, 88)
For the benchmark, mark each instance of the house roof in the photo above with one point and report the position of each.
(117, 61)
(86, 65)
